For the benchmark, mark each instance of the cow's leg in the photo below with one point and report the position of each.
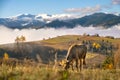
(72, 65)
(80, 64)
(77, 64)
(84, 61)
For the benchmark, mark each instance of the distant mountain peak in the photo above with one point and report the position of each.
(60, 20)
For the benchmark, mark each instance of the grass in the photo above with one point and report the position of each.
(61, 39)
(74, 38)
(91, 55)
(21, 72)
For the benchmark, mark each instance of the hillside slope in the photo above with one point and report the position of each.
(45, 50)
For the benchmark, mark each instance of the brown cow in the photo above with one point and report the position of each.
(76, 53)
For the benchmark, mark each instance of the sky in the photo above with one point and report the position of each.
(80, 7)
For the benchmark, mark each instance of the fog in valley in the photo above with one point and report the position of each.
(9, 35)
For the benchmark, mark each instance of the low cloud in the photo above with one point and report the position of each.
(9, 35)
(116, 2)
(84, 10)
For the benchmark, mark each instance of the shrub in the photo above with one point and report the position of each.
(108, 63)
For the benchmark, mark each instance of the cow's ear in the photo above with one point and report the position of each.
(67, 60)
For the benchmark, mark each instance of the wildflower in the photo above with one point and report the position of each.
(97, 46)
(94, 44)
(110, 66)
(6, 56)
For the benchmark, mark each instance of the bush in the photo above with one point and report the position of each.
(108, 63)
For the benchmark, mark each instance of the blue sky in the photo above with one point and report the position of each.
(15, 7)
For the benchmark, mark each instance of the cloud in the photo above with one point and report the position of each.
(9, 35)
(84, 10)
(116, 2)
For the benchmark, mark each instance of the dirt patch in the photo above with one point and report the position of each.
(95, 60)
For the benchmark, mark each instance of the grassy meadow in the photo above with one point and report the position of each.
(26, 72)
(101, 65)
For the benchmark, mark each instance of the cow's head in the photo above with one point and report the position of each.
(63, 63)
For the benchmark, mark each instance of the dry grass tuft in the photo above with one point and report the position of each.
(23, 72)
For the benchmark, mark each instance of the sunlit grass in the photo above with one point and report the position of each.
(91, 55)
(61, 39)
(21, 72)
(68, 38)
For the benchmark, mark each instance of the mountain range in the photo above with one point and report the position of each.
(62, 20)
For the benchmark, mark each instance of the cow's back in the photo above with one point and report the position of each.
(82, 50)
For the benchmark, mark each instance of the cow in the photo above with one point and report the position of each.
(75, 54)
